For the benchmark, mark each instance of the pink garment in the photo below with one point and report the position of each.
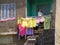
(38, 20)
(22, 30)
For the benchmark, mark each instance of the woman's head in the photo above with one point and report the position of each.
(39, 10)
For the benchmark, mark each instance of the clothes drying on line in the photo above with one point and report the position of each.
(29, 31)
(22, 30)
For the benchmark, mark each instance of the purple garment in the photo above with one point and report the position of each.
(29, 31)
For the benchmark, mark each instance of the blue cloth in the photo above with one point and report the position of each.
(29, 31)
(37, 24)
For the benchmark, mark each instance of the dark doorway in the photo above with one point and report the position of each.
(45, 8)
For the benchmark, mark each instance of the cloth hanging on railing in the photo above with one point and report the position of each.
(24, 24)
(47, 22)
(29, 31)
(22, 30)
(29, 23)
(19, 20)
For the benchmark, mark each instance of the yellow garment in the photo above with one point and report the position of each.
(34, 22)
(24, 23)
(30, 24)
(27, 20)
(19, 20)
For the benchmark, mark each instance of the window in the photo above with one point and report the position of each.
(8, 11)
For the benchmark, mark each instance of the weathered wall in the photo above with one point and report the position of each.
(57, 24)
(20, 12)
(53, 13)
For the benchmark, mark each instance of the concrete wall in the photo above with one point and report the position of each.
(11, 25)
(57, 24)
(20, 12)
(53, 15)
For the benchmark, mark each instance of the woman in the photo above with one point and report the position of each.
(40, 12)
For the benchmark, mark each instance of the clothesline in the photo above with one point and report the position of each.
(27, 22)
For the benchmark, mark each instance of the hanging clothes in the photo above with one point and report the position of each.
(22, 30)
(31, 23)
(47, 22)
(24, 23)
(34, 22)
(19, 20)
(29, 31)
(37, 20)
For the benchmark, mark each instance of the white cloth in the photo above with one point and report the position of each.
(40, 14)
